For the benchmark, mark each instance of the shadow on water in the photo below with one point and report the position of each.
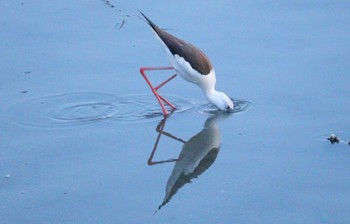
(197, 154)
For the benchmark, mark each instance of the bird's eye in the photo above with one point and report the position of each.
(228, 107)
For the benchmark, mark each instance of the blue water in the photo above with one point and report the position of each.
(78, 125)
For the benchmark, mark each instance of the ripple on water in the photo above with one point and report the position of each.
(82, 108)
(240, 106)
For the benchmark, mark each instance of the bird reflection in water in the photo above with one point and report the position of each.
(197, 154)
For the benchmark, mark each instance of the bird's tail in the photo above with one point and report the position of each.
(152, 25)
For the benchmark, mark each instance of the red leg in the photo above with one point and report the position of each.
(155, 89)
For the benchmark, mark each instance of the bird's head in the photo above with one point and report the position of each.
(221, 101)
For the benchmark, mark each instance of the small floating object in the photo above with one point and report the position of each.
(333, 139)
(7, 176)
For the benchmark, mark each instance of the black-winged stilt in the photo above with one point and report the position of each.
(191, 64)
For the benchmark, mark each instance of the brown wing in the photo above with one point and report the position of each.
(197, 59)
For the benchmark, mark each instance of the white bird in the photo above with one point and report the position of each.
(191, 64)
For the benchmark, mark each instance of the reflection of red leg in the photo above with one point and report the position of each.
(160, 130)
(155, 89)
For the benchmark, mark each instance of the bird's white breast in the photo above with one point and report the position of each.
(186, 71)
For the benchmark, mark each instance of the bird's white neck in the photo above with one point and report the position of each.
(212, 94)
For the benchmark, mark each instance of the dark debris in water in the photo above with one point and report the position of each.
(122, 22)
(336, 139)
(110, 4)
(333, 139)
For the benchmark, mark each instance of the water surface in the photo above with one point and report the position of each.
(83, 140)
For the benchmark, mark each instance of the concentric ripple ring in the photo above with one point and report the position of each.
(75, 109)
(240, 106)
